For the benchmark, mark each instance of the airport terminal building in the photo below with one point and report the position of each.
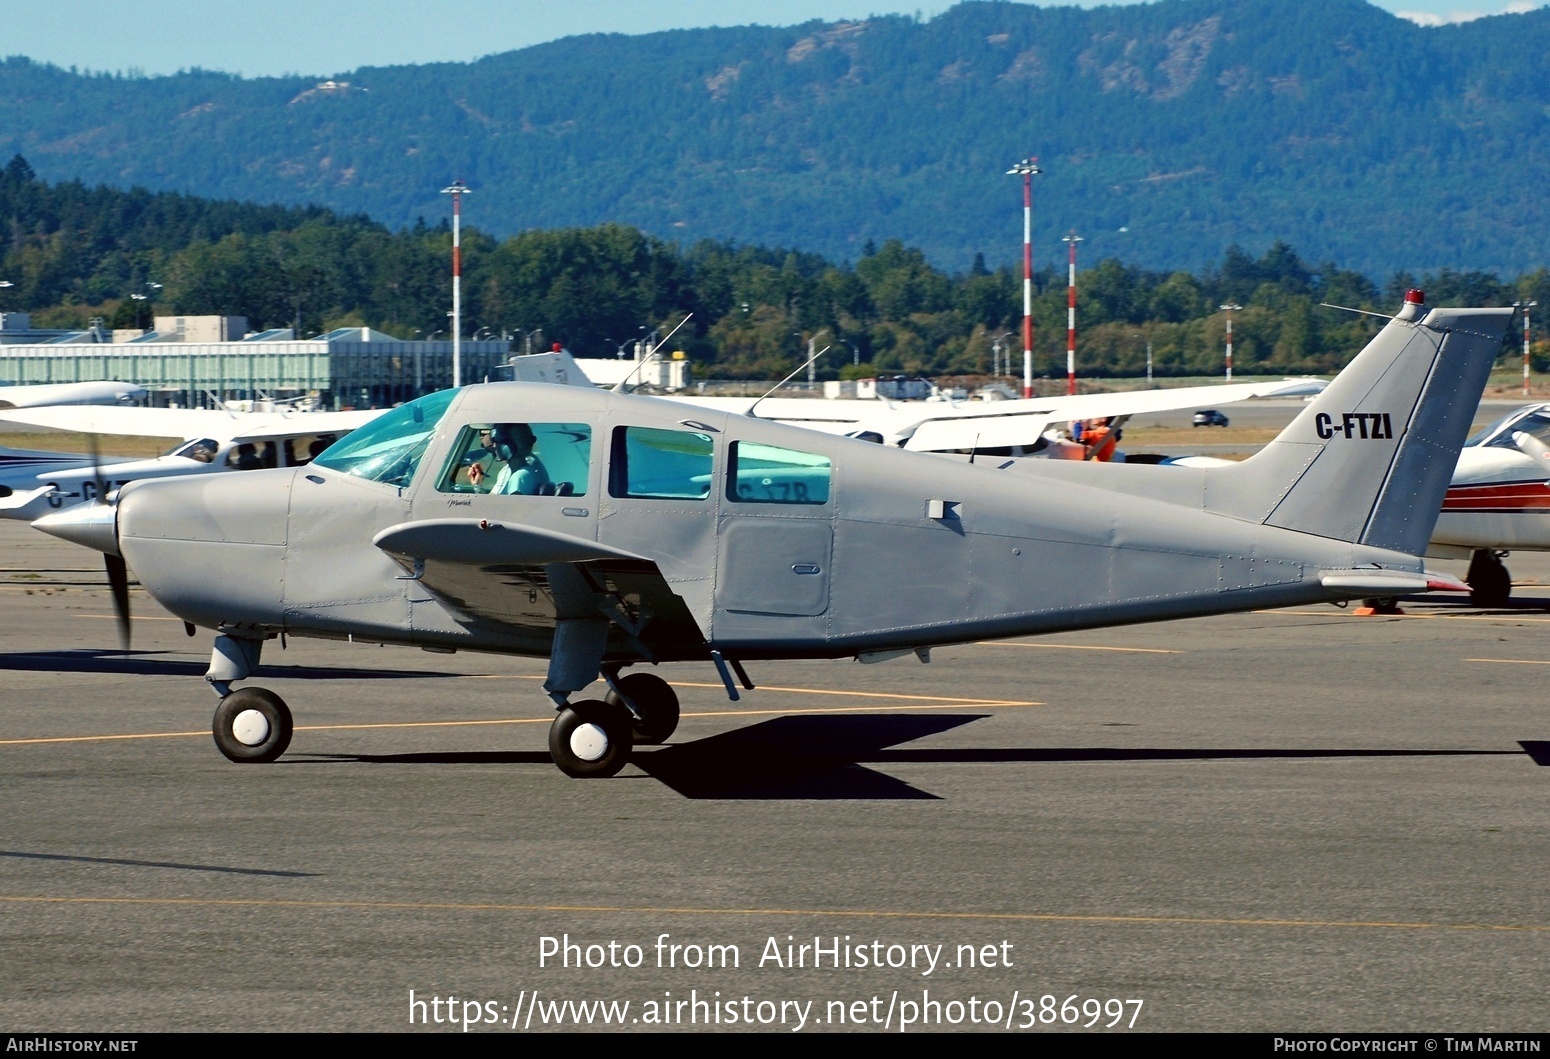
(197, 361)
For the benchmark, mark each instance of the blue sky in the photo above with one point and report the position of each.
(333, 36)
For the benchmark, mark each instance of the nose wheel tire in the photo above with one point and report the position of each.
(657, 703)
(591, 738)
(252, 725)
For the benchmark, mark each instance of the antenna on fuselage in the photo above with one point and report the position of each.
(647, 359)
(787, 379)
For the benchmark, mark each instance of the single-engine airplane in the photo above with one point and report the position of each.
(604, 530)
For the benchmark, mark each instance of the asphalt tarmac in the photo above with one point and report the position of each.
(1288, 821)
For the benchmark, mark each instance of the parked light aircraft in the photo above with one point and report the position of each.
(33, 483)
(648, 531)
(1008, 427)
(1499, 501)
(71, 393)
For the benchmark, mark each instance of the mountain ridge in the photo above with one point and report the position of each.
(1167, 132)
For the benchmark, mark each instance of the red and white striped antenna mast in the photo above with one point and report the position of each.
(1230, 308)
(1028, 168)
(1071, 241)
(1526, 306)
(457, 189)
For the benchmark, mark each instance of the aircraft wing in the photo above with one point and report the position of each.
(269, 424)
(998, 423)
(525, 580)
(938, 426)
(187, 423)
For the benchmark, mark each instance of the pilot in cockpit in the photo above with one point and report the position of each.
(519, 470)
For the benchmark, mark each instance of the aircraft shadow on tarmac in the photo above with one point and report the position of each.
(826, 758)
(154, 663)
(120, 862)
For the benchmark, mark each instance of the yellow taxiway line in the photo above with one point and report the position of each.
(827, 913)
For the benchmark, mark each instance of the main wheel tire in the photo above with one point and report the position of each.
(1490, 585)
(252, 725)
(591, 739)
(657, 702)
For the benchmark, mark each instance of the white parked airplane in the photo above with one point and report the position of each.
(999, 427)
(33, 483)
(71, 393)
(1498, 502)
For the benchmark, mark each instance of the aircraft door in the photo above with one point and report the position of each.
(777, 542)
(661, 502)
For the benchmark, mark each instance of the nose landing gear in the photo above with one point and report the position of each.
(252, 725)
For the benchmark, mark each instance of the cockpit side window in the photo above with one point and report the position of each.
(661, 464)
(389, 448)
(535, 459)
(765, 474)
(246, 457)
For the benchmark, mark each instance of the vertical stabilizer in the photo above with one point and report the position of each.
(1371, 457)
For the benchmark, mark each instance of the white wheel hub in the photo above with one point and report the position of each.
(250, 727)
(589, 742)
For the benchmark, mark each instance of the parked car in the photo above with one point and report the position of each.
(1209, 417)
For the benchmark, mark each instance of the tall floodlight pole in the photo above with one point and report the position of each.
(1229, 307)
(457, 189)
(1071, 241)
(1028, 168)
(1526, 307)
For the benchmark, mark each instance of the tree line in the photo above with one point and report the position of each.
(73, 254)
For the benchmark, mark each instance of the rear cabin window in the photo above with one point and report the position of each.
(531, 459)
(661, 464)
(765, 474)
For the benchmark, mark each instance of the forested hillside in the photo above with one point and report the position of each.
(74, 253)
(1168, 131)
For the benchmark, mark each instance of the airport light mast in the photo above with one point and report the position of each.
(457, 189)
(1071, 241)
(1526, 306)
(1229, 307)
(1028, 168)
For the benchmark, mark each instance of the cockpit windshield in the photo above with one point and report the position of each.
(202, 450)
(1500, 432)
(388, 449)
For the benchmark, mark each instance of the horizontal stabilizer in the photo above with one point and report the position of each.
(1390, 582)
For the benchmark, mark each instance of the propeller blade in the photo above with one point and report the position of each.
(96, 467)
(118, 581)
